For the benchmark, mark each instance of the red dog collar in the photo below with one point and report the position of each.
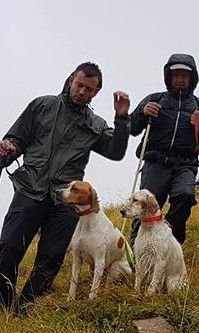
(154, 218)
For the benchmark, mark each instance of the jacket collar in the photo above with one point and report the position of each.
(68, 103)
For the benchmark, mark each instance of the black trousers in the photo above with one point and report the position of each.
(177, 182)
(24, 218)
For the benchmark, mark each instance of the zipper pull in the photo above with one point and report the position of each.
(180, 99)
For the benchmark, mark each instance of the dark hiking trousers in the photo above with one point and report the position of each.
(24, 218)
(177, 181)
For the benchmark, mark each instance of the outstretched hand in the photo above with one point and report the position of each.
(121, 103)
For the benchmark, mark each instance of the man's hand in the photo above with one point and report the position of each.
(6, 147)
(151, 109)
(121, 103)
(195, 117)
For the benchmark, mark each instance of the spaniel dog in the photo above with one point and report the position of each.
(95, 240)
(159, 258)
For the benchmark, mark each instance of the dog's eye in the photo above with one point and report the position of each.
(135, 200)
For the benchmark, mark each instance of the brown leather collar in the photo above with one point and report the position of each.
(85, 212)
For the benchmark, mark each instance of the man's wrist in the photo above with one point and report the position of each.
(122, 116)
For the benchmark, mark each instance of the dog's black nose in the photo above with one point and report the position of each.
(122, 212)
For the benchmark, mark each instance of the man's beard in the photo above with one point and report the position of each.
(181, 91)
(79, 102)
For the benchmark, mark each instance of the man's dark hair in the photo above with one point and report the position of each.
(90, 69)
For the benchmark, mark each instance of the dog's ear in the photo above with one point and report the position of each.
(94, 201)
(151, 204)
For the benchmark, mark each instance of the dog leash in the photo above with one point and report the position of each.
(8, 172)
(18, 166)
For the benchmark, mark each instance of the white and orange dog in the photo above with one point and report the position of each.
(159, 258)
(95, 240)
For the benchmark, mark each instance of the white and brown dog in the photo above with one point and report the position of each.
(159, 258)
(95, 240)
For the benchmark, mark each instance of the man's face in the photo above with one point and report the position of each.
(82, 88)
(180, 78)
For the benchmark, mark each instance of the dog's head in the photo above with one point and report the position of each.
(79, 193)
(142, 204)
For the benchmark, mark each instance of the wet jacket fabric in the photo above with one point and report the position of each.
(171, 133)
(56, 138)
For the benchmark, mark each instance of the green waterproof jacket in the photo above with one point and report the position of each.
(56, 138)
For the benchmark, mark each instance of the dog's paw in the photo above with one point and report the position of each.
(92, 295)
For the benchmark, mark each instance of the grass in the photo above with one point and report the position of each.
(117, 306)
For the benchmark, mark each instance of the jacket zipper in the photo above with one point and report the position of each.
(176, 125)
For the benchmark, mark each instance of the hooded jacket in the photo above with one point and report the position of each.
(56, 137)
(171, 133)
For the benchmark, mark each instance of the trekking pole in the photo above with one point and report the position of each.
(141, 155)
(139, 164)
(128, 250)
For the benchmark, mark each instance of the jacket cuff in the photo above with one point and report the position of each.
(122, 119)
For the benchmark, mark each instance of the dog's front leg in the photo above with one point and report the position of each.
(98, 273)
(75, 276)
(138, 279)
(157, 277)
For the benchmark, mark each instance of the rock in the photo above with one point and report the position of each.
(153, 325)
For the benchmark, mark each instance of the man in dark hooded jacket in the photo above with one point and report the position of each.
(171, 161)
(55, 134)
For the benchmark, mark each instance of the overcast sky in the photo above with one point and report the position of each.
(42, 41)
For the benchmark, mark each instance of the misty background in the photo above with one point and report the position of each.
(43, 41)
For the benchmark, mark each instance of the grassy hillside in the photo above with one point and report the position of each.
(117, 306)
